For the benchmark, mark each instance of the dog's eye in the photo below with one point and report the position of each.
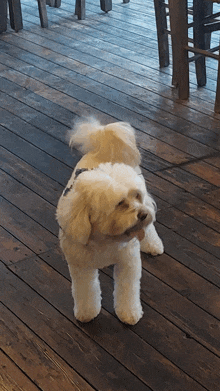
(121, 202)
(139, 197)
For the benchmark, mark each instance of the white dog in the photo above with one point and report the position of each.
(106, 217)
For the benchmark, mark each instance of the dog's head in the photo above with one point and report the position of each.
(111, 201)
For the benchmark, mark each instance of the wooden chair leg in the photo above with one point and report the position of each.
(126, 1)
(217, 98)
(179, 28)
(3, 16)
(199, 40)
(162, 36)
(106, 5)
(15, 14)
(80, 9)
(57, 3)
(43, 13)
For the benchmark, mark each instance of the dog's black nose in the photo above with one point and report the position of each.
(142, 216)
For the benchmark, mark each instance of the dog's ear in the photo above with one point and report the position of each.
(80, 227)
(73, 218)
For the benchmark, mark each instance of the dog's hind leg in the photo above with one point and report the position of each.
(86, 293)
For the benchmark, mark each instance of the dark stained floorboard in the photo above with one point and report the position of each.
(107, 66)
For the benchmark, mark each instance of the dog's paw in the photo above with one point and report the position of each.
(154, 248)
(130, 316)
(86, 315)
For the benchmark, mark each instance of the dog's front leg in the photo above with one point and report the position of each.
(127, 302)
(152, 243)
(86, 294)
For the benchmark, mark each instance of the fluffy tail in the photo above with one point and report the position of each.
(114, 142)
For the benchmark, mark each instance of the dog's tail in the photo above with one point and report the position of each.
(114, 142)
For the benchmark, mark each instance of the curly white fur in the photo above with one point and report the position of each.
(106, 217)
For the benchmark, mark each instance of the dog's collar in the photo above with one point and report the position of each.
(77, 173)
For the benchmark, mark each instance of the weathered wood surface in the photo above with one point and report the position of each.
(106, 66)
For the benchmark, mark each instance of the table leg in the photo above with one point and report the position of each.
(15, 14)
(106, 5)
(199, 39)
(43, 13)
(217, 98)
(3, 16)
(80, 9)
(179, 35)
(162, 36)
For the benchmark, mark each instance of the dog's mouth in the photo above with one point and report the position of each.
(137, 230)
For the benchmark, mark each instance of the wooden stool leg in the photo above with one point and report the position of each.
(80, 9)
(126, 1)
(3, 16)
(199, 40)
(43, 13)
(179, 34)
(162, 36)
(217, 98)
(106, 5)
(57, 3)
(15, 14)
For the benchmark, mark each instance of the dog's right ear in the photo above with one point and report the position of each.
(73, 218)
(80, 227)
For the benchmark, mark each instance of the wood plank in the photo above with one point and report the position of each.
(145, 140)
(31, 154)
(45, 106)
(214, 160)
(170, 153)
(213, 195)
(87, 358)
(197, 186)
(59, 170)
(106, 324)
(12, 378)
(183, 280)
(190, 255)
(29, 202)
(31, 116)
(39, 138)
(180, 311)
(205, 171)
(206, 123)
(27, 231)
(146, 28)
(191, 229)
(107, 66)
(12, 250)
(141, 354)
(29, 353)
(35, 180)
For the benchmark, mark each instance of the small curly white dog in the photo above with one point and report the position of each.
(106, 217)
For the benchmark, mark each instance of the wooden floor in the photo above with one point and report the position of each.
(107, 66)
